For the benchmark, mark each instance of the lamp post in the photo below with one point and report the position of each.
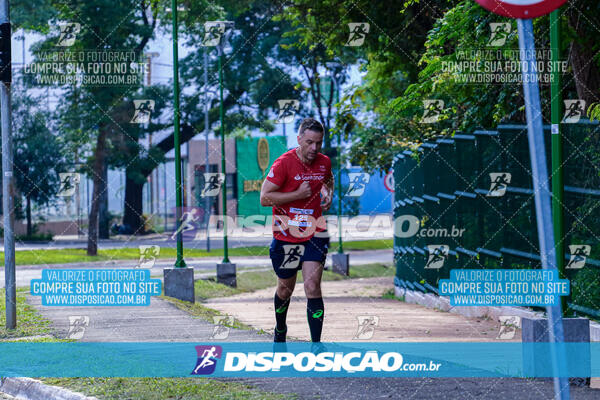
(178, 281)
(557, 153)
(207, 202)
(217, 34)
(340, 261)
(8, 188)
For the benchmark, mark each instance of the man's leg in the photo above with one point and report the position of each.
(311, 273)
(285, 288)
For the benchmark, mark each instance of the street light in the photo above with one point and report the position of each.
(178, 281)
(217, 35)
(340, 261)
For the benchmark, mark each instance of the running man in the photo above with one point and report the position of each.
(299, 187)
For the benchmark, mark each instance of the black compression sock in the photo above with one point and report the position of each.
(314, 313)
(281, 309)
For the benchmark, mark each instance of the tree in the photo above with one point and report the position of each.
(257, 73)
(403, 57)
(37, 156)
(104, 25)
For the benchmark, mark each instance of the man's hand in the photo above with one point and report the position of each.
(304, 190)
(326, 201)
(327, 194)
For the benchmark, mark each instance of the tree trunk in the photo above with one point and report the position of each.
(133, 205)
(29, 227)
(103, 217)
(586, 74)
(97, 172)
(585, 67)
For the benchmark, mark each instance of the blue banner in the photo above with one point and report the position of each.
(259, 359)
(95, 287)
(504, 287)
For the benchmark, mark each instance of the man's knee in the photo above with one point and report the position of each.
(284, 290)
(312, 288)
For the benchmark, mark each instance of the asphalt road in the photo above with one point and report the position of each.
(190, 240)
(203, 265)
(417, 388)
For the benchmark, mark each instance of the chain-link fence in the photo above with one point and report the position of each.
(472, 199)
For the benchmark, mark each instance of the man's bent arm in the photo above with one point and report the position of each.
(269, 196)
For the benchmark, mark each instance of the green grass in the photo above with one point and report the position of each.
(163, 388)
(257, 280)
(63, 256)
(391, 295)
(29, 321)
(199, 311)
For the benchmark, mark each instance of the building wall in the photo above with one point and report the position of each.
(250, 176)
(197, 158)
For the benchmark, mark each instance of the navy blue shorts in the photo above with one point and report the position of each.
(287, 257)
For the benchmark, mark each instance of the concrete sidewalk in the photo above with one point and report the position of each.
(160, 322)
(348, 302)
(345, 301)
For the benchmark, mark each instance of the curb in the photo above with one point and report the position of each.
(32, 389)
(430, 300)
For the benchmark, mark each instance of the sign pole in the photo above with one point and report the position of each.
(539, 174)
(223, 192)
(207, 200)
(179, 263)
(557, 154)
(7, 168)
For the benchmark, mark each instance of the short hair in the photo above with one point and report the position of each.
(310, 124)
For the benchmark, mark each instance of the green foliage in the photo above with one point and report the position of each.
(397, 124)
(257, 71)
(585, 288)
(593, 112)
(38, 152)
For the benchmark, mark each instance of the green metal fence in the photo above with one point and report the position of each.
(447, 184)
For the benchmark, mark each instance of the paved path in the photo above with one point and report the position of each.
(345, 300)
(25, 273)
(348, 300)
(159, 322)
(398, 322)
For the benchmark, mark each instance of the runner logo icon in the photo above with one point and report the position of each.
(148, 254)
(358, 183)
(213, 181)
(500, 32)
(68, 33)
(142, 111)
(68, 183)
(366, 326)
(500, 181)
(579, 253)
(207, 359)
(437, 256)
(287, 111)
(432, 109)
(221, 329)
(293, 253)
(358, 33)
(574, 110)
(508, 326)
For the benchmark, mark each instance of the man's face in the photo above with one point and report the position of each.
(310, 144)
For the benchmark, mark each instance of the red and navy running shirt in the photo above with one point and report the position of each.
(298, 220)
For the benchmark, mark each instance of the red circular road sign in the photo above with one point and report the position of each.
(388, 181)
(521, 8)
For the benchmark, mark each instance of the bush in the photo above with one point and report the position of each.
(585, 288)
